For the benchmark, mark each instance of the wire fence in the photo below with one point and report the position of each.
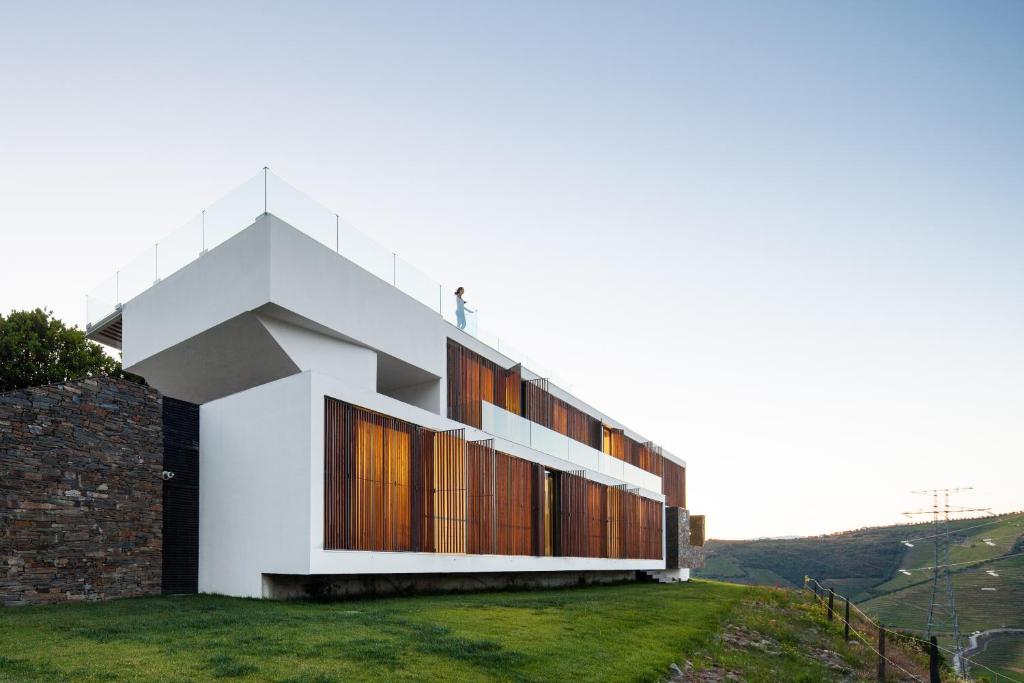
(828, 597)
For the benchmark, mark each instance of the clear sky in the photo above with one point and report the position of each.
(784, 240)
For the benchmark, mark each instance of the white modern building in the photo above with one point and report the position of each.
(356, 434)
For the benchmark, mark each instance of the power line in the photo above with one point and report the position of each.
(942, 606)
(984, 560)
(907, 632)
(999, 520)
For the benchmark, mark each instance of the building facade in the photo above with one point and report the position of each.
(355, 433)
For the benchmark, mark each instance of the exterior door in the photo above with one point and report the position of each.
(181, 497)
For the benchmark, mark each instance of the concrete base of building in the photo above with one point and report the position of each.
(337, 587)
(677, 575)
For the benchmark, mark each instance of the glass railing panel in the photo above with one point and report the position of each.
(302, 212)
(518, 429)
(233, 213)
(179, 248)
(612, 467)
(585, 456)
(416, 284)
(137, 276)
(365, 253)
(549, 441)
(101, 301)
(502, 423)
(640, 477)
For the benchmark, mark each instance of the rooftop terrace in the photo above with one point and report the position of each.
(268, 193)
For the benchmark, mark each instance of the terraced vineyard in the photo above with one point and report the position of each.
(1004, 654)
(891, 580)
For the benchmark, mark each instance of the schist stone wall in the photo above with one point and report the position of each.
(80, 492)
(678, 550)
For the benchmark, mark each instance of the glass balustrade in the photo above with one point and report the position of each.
(416, 284)
(518, 429)
(268, 193)
(180, 248)
(233, 213)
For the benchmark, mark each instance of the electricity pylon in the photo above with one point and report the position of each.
(942, 616)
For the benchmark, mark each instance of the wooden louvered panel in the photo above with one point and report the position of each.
(367, 479)
(573, 527)
(450, 501)
(481, 516)
(513, 512)
(673, 484)
(394, 486)
(542, 407)
(472, 379)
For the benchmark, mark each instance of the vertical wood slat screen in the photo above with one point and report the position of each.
(537, 507)
(607, 521)
(473, 378)
(423, 494)
(513, 504)
(581, 517)
(450, 492)
(540, 406)
(673, 484)
(482, 481)
(390, 485)
(368, 479)
(633, 525)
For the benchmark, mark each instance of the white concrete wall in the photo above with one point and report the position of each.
(309, 349)
(218, 286)
(426, 395)
(328, 289)
(254, 483)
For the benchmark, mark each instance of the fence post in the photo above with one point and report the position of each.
(933, 660)
(846, 626)
(881, 653)
(831, 602)
(816, 591)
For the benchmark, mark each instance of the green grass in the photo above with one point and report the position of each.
(616, 633)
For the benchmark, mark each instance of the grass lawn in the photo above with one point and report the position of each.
(629, 632)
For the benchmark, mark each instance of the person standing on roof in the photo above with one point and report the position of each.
(460, 308)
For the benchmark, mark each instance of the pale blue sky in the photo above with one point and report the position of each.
(785, 240)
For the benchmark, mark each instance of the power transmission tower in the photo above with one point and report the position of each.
(942, 616)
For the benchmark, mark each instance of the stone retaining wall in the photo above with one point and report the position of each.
(679, 553)
(80, 492)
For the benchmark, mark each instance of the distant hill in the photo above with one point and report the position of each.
(987, 554)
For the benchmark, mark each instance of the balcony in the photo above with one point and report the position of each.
(506, 425)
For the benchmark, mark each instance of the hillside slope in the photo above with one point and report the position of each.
(709, 631)
(864, 563)
(986, 554)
